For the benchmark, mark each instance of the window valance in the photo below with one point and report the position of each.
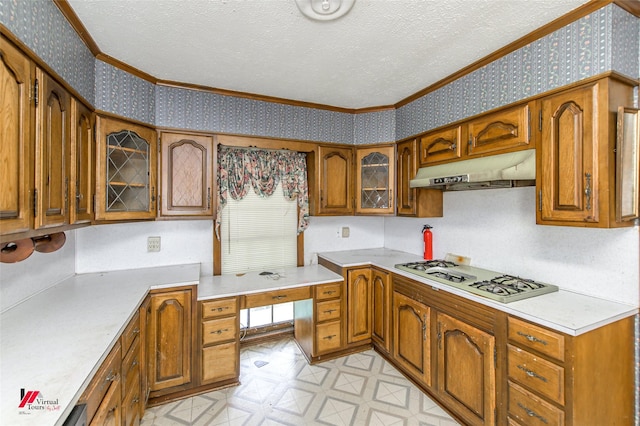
(242, 168)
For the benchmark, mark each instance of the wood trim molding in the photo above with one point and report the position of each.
(632, 6)
(563, 21)
(68, 12)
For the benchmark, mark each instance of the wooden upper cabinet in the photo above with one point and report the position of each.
(442, 145)
(126, 170)
(466, 370)
(504, 130)
(82, 177)
(413, 202)
(17, 74)
(53, 143)
(576, 155)
(335, 182)
(375, 180)
(186, 175)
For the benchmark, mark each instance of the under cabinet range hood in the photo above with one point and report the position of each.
(496, 171)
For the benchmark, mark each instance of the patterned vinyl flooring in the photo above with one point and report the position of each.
(279, 387)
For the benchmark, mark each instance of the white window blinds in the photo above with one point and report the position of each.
(258, 234)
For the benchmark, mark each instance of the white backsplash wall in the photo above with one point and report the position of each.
(19, 281)
(124, 246)
(322, 234)
(497, 229)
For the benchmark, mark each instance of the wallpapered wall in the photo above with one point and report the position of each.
(40, 25)
(607, 39)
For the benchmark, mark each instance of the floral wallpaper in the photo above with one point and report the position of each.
(200, 110)
(597, 43)
(42, 27)
(124, 94)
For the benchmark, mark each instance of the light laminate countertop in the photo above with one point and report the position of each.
(564, 311)
(55, 341)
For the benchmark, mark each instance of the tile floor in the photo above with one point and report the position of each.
(279, 387)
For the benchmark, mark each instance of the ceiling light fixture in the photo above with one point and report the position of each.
(324, 10)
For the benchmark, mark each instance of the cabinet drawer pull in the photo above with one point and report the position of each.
(219, 309)
(532, 413)
(280, 297)
(135, 331)
(329, 337)
(329, 311)
(531, 373)
(111, 377)
(532, 338)
(220, 331)
(329, 292)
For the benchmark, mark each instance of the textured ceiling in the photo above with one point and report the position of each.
(381, 52)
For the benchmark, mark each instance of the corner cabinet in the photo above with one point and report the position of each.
(381, 303)
(126, 168)
(334, 191)
(359, 306)
(412, 337)
(375, 180)
(576, 155)
(186, 175)
(413, 202)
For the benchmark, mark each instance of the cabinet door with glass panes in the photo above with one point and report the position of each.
(375, 180)
(126, 163)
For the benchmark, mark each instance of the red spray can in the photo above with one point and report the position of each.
(428, 242)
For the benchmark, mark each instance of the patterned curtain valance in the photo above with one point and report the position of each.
(263, 169)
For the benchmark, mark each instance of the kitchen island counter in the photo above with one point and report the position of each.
(565, 311)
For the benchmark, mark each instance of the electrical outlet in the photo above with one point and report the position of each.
(153, 243)
(345, 232)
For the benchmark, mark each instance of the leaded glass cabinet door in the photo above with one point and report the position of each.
(375, 180)
(126, 187)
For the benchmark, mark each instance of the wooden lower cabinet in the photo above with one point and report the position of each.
(318, 322)
(219, 341)
(103, 395)
(412, 337)
(131, 366)
(466, 370)
(558, 379)
(359, 306)
(381, 301)
(170, 341)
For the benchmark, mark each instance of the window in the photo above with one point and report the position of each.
(259, 234)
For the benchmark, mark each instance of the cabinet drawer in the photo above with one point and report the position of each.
(220, 362)
(219, 308)
(108, 374)
(328, 337)
(131, 367)
(537, 338)
(328, 291)
(219, 330)
(131, 407)
(277, 296)
(530, 410)
(329, 310)
(537, 374)
(130, 333)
